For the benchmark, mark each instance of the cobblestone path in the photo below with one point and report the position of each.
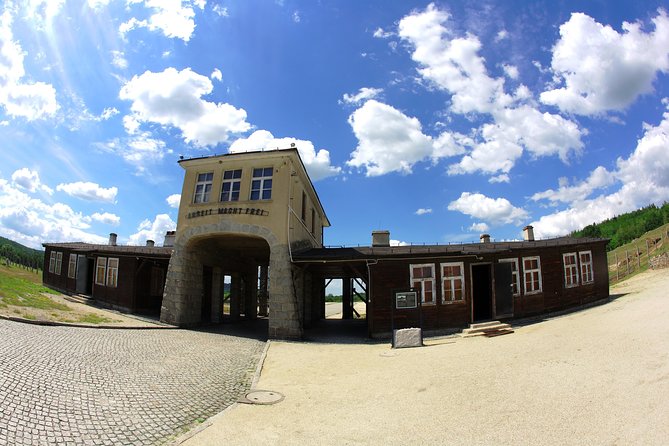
(74, 386)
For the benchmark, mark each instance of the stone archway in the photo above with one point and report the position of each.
(182, 299)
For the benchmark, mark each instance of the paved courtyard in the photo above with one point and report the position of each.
(77, 386)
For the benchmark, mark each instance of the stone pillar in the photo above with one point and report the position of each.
(182, 298)
(235, 297)
(308, 297)
(346, 299)
(284, 320)
(262, 291)
(216, 294)
(251, 294)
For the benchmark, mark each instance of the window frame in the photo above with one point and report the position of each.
(204, 192)
(304, 207)
(59, 263)
(313, 221)
(52, 262)
(72, 267)
(570, 271)
(589, 265)
(101, 263)
(515, 273)
(233, 181)
(537, 270)
(421, 280)
(452, 280)
(262, 176)
(112, 272)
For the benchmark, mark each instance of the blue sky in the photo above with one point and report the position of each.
(437, 121)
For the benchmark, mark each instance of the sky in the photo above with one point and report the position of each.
(436, 121)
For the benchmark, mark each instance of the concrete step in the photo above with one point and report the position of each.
(480, 329)
(79, 298)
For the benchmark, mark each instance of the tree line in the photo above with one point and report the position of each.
(21, 255)
(627, 227)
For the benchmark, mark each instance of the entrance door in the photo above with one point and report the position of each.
(481, 292)
(82, 274)
(503, 290)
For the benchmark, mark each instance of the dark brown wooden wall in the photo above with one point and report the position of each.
(58, 281)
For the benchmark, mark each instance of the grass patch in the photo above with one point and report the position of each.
(19, 292)
(92, 318)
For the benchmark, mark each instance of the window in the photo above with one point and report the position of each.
(515, 279)
(231, 185)
(100, 271)
(203, 187)
(72, 266)
(52, 262)
(422, 278)
(570, 269)
(586, 267)
(313, 220)
(112, 273)
(261, 185)
(532, 274)
(453, 281)
(59, 262)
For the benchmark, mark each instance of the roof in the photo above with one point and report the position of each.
(81, 247)
(375, 252)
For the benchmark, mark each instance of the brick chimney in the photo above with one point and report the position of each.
(112, 239)
(150, 243)
(380, 238)
(528, 233)
(169, 238)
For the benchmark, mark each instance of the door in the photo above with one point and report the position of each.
(481, 293)
(82, 274)
(503, 289)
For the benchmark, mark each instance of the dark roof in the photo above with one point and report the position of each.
(369, 252)
(81, 247)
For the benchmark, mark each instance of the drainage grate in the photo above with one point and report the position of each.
(265, 397)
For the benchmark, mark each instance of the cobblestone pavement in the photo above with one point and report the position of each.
(77, 386)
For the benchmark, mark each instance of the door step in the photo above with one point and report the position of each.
(79, 298)
(488, 329)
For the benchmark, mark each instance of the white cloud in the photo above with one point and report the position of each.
(30, 100)
(644, 179)
(495, 210)
(379, 33)
(220, 11)
(174, 98)
(42, 12)
(139, 150)
(423, 211)
(174, 18)
(97, 4)
(602, 69)
(107, 218)
(388, 140)
(173, 200)
(108, 113)
(119, 60)
(29, 180)
(501, 35)
(296, 17)
(89, 191)
(398, 243)
(511, 71)
(317, 163)
(479, 227)
(503, 178)
(599, 178)
(362, 95)
(152, 230)
(216, 74)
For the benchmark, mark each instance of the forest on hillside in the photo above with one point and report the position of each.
(21, 255)
(627, 227)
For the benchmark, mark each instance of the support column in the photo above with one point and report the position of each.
(284, 320)
(216, 294)
(346, 299)
(251, 294)
(235, 297)
(262, 291)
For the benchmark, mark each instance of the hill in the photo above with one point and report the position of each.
(21, 255)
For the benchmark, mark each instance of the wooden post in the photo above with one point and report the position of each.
(638, 257)
(346, 299)
(627, 260)
(617, 270)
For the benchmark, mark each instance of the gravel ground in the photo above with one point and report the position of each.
(598, 376)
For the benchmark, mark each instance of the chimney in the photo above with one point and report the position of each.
(528, 233)
(112, 239)
(150, 243)
(380, 238)
(169, 238)
(485, 238)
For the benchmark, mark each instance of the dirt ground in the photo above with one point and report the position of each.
(598, 376)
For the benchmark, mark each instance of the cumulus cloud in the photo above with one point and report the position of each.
(216, 74)
(317, 163)
(140, 150)
(220, 11)
(479, 227)
(89, 191)
(175, 19)
(30, 181)
(601, 69)
(643, 178)
(379, 33)
(174, 98)
(364, 94)
(398, 243)
(21, 98)
(119, 60)
(494, 210)
(107, 218)
(152, 230)
(423, 211)
(173, 200)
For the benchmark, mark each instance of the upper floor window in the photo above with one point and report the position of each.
(570, 269)
(203, 187)
(586, 267)
(515, 279)
(453, 281)
(532, 273)
(422, 278)
(232, 180)
(261, 184)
